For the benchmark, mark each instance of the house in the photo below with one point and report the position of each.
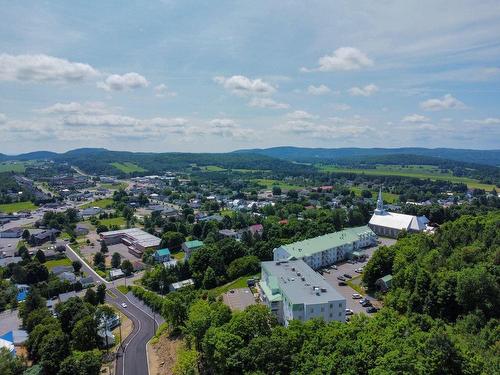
(81, 230)
(384, 283)
(63, 297)
(170, 263)
(180, 284)
(15, 232)
(229, 233)
(86, 282)
(189, 247)
(4, 262)
(294, 291)
(44, 236)
(390, 224)
(328, 249)
(52, 254)
(253, 230)
(161, 255)
(57, 270)
(116, 273)
(67, 276)
(8, 345)
(17, 337)
(91, 211)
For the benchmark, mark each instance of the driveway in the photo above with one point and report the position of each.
(239, 299)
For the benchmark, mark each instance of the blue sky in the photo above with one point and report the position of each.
(222, 75)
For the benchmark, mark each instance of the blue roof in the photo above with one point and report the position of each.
(21, 296)
(162, 252)
(9, 336)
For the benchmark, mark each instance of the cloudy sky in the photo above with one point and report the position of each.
(222, 75)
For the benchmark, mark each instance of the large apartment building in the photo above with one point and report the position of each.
(293, 290)
(328, 249)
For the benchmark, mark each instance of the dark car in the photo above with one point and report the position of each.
(371, 310)
(342, 283)
(366, 304)
(340, 278)
(347, 275)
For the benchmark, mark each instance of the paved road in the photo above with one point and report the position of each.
(132, 355)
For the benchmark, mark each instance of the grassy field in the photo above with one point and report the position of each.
(128, 167)
(416, 171)
(250, 170)
(388, 197)
(238, 283)
(213, 168)
(18, 206)
(268, 184)
(179, 255)
(115, 186)
(120, 221)
(18, 167)
(102, 203)
(57, 262)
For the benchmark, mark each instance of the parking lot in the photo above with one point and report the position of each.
(331, 275)
(238, 299)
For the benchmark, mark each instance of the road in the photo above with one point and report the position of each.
(132, 355)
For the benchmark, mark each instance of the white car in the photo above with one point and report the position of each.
(349, 312)
(356, 296)
(124, 305)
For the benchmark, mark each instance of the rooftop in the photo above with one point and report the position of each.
(193, 244)
(137, 235)
(162, 252)
(399, 221)
(299, 282)
(327, 241)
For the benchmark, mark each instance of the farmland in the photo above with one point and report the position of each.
(101, 203)
(127, 167)
(18, 206)
(268, 184)
(18, 167)
(416, 171)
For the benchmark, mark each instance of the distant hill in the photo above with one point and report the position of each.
(314, 155)
(35, 155)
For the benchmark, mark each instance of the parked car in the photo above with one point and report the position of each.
(342, 283)
(326, 271)
(349, 312)
(340, 278)
(347, 275)
(371, 310)
(356, 296)
(363, 300)
(366, 304)
(124, 305)
(351, 261)
(359, 270)
(333, 267)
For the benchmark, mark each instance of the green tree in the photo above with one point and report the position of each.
(40, 256)
(53, 350)
(84, 334)
(116, 260)
(104, 247)
(9, 364)
(91, 297)
(77, 266)
(172, 240)
(186, 363)
(209, 279)
(127, 267)
(101, 293)
(99, 259)
(82, 363)
(26, 235)
(33, 302)
(35, 317)
(101, 228)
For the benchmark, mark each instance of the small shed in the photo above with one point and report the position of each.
(384, 283)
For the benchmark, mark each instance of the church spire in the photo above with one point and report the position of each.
(380, 203)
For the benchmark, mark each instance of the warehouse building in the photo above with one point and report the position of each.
(136, 240)
(328, 249)
(293, 290)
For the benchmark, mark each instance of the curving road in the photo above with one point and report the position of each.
(132, 357)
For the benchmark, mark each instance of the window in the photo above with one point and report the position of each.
(340, 314)
(312, 310)
(340, 305)
(322, 309)
(331, 305)
(331, 315)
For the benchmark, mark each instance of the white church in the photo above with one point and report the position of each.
(389, 224)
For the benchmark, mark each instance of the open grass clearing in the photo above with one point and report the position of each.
(238, 283)
(127, 167)
(18, 167)
(57, 262)
(120, 221)
(213, 168)
(269, 183)
(17, 206)
(101, 203)
(388, 197)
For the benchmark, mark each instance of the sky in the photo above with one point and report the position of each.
(215, 76)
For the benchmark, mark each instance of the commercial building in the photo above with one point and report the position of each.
(390, 224)
(15, 232)
(136, 240)
(293, 290)
(180, 284)
(328, 249)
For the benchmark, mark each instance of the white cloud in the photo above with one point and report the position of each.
(341, 107)
(415, 119)
(343, 58)
(301, 115)
(162, 91)
(439, 104)
(43, 68)
(75, 108)
(486, 121)
(244, 86)
(3, 118)
(318, 90)
(267, 103)
(116, 82)
(367, 90)
(226, 128)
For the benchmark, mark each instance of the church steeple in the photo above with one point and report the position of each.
(380, 203)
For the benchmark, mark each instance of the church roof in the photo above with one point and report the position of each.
(399, 221)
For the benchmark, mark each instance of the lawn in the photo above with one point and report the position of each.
(18, 167)
(57, 262)
(179, 255)
(250, 170)
(128, 167)
(416, 171)
(238, 283)
(120, 221)
(102, 203)
(268, 184)
(18, 206)
(122, 288)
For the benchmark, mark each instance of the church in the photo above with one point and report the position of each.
(389, 224)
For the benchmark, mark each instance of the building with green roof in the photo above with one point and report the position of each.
(161, 255)
(189, 247)
(328, 249)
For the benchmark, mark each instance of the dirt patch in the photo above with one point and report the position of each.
(163, 354)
